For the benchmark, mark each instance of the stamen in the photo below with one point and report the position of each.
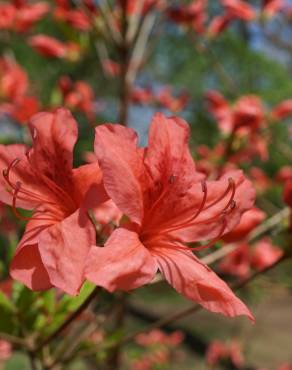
(20, 216)
(190, 222)
(231, 200)
(230, 184)
(14, 209)
(172, 179)
(31, 195)
(215, 240)
(203, 202)
(6, 172)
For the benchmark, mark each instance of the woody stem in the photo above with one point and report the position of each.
(125, 88)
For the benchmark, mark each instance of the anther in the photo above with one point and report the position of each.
(7, 170)
(172, 179)
(232, 205)
(204, 186)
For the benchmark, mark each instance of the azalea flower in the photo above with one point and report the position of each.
(284, 174)
(218, 24)
(7, 16)
(50, 47)
(240, 262)
(78, 96)
(5, 350)
(75, 17)
(265, 254)
(21, 16)
(237, 263)
(167, 204)
(59, 233)
(282, 110)
(21, 109)
(248, 222)
(271, 7)
(192, 15)
(158, 337)
(218, 351)
(239, 9)
(246, 116)
(133, 7)
(13, 80)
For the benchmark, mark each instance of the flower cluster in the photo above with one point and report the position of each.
(167, 205)
(15, 97)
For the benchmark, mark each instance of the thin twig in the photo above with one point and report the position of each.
(140, 46)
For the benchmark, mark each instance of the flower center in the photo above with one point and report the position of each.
(52, 210)
(164, 233)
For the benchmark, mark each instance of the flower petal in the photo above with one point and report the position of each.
(54, 136)
(26, 265)
(121, 164)
(19, 173)
(123, 263)
(212, 219)
(171, 169)
(64, 248)
(198, 282)
(28, 268)
(88, 185)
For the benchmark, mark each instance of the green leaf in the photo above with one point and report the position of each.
(7, 315)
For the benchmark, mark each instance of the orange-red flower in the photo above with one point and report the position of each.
(168, 203)
(13, 80)
(7, 16)
(192, 15)
(50, 47)
(77, 96)
(59, 233)
(247, 115)
(265, 254)
(168, 101)
(218, 351)
(5, 350)
(271, 7)
(133, 7)
(239, 263)
(75, 17)
(22, 109)
(248, 222)
(282, 110)
(28, 14)
(239, 9)
(21, 16)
